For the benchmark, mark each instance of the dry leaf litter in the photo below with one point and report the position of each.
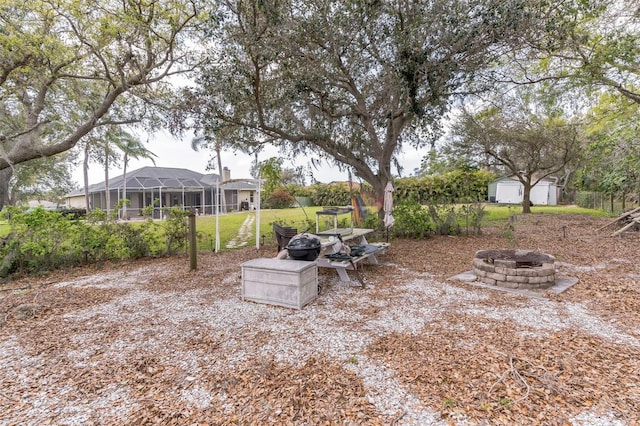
(150, 342)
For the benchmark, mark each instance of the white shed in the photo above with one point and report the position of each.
(545, 193)
(511, 191)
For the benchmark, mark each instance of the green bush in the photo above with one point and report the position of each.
(445, 219)
(330, 194)
(41, 240)
(372, 221)
(74, 213)
(176, 229)
(38, 240)
(298, 191)
(458, 186)
(473, 215)
(414, 220)
(411, 220)
(279, 198)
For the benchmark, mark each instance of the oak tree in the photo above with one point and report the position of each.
(70, 66)
(523, 135)
(354, 82)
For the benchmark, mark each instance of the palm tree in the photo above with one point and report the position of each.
(132, 148)
(96, 149)
(102, 146)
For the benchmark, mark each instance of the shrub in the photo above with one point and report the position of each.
(473, 215)
(411, 220)
(176, 229)
(73, 213)
(38, 240)
(330, 194)
(458, 186)
(280, 198)
(41, 240)
(444, 218)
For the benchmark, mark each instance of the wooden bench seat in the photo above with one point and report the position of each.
(343, 265)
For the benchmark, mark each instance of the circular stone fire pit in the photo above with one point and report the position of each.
(523, 269)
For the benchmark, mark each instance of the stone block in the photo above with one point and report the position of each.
(547, 269)
(538, 280)
(506, 271)
(507, 284)
(527, 272)
(517, 279)
(496, 276)
(479, 273)
(528, 286)
(483, 266)
(487, 280)
(505, 263)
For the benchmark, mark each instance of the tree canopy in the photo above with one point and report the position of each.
(47, 178)
(593, 43)
(614, 147)
(69, 66)
(351, 81)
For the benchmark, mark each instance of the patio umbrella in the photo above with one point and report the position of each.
(388, 206)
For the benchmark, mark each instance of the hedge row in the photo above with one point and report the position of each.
(40, 240)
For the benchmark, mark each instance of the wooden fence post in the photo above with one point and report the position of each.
(193, 249)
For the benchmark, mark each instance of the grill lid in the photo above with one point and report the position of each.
(304, 242)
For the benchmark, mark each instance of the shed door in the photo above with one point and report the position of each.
(509, 192)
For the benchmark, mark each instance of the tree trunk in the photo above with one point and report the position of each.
(124, 186)
(526, 198)
(378, 189)
(107, 196)
(85, 172)
(5, 178)
(611, 202)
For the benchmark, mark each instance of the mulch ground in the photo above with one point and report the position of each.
(57, 338)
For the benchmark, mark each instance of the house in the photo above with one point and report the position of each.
(508, 190)
(162, 187)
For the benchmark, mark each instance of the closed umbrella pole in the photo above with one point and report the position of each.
(388, 207)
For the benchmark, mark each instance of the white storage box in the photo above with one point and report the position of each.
(282, 282)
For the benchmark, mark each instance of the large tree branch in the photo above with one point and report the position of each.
(152, 62)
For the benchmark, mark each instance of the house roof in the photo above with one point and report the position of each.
(154, 178)
(167, 178)
(240, 185)
(514, 179)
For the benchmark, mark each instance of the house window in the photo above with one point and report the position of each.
(251, 197)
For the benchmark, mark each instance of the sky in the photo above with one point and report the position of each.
(172, 152)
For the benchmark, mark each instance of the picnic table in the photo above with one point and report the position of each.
(330, 258)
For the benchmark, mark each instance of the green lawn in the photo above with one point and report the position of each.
(303, 219)
(495, 212)
(230, 223)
